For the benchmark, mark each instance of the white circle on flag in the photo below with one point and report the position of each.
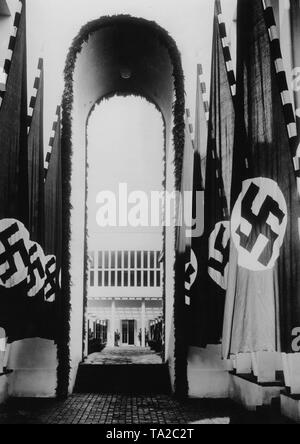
(14, 258)
(258, 224)
(218, 256)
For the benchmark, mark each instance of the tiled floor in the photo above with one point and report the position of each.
(124, 355)
(120, 410)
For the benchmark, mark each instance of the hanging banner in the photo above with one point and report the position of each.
(295, 34)
(212, 249)
(263, 303)
(53, 228)
(13, 129)
(183, 267)
(36, 160)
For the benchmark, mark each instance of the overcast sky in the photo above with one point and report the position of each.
(131, 153)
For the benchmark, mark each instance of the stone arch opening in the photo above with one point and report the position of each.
(125, 151)
(113, 55)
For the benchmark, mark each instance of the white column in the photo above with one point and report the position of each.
(112, 323)
(143, 323)
(113, 320)
(86, 340)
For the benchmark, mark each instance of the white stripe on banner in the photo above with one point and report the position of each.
(279, 66)
(273, 33)
(292, 130)
(9, 54)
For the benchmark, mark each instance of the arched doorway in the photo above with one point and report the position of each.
(113, 55)
(124, 313)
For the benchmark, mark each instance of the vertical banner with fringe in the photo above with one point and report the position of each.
(53, 249)
(53, 193)
(13, 126)
(17, 254)
(36, 159)
(197, 220)
(201, 130)
(263, 303)
(53, 213)
(295, 39)
(183, 249)
(212, 249)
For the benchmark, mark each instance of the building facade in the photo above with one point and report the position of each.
(125, 298)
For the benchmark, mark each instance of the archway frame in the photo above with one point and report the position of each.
(178, 136)
(86, 264)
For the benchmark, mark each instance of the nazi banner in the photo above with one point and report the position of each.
(258, 225)
(24, 261)
(14, 253)
(191, 271)
(219, 248)
(50, 284)
(36, 270)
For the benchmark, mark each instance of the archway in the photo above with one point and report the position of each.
(124, 314)
(113, 55)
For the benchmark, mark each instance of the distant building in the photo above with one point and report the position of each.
(125, 289)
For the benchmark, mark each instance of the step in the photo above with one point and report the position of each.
(246, 391)
(290, 406)
(123, 379)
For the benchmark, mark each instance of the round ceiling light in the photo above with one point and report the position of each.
(126, 73)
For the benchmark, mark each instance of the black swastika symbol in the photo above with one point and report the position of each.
(189, 271)
(225, 251)
(259, 225)
(10, 252)
(35, 265)
(50, 284)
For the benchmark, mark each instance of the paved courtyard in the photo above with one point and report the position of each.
(124, 355)
(122, 410)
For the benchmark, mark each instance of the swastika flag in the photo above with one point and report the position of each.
(263, 295)
(294, 45)
(53, 230)
(212, 248)
(23, 309)
(183, 269)
(22, 280)
(13, 132)
(36, 163)
(53, 200)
